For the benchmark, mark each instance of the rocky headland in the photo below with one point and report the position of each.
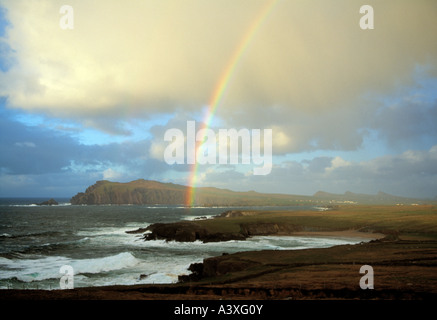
(189, 231)
(50, 202)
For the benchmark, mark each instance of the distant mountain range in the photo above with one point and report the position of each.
(154, 192)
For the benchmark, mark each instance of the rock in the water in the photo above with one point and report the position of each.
(51, 202)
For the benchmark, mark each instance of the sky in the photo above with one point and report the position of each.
(350, 109)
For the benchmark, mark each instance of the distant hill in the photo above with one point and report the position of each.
(154, 192)
(135, 192)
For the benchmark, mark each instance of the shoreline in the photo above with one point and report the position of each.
(240, 225)
(403, 253)
(306, 274)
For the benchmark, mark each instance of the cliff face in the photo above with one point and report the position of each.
(153, 192)
(135, 192)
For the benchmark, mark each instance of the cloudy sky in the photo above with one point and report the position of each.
(350, 109)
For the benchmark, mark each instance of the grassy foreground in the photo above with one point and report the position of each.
(404, 262)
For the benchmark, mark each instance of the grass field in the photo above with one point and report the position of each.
(408, 221)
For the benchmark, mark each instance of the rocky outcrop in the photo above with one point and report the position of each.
(135, 192)
(217, 266)
(187, 232)
(260, 229)
(137, 231)
(51, 202)
(235, 213)
(178, 231)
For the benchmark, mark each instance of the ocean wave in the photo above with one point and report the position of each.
(49, 247)
(62, 204)
(105, 264)
(103, 231)
(204, 217)
(250, 244)
(24, 205)
(318, 208)
(111, 236)
(29, 270)
(36, 234)
(6, 235)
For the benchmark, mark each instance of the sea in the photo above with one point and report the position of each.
(37, 242)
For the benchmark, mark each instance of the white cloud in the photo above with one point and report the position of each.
(156, 150)
(111, 174)
(395, 174)
(309, 73)
(305, 71)
(336, 163)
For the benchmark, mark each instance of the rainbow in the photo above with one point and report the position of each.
(221, 87)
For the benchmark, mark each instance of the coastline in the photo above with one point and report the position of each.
(307, 274)
(404, 259)
(240, 225)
